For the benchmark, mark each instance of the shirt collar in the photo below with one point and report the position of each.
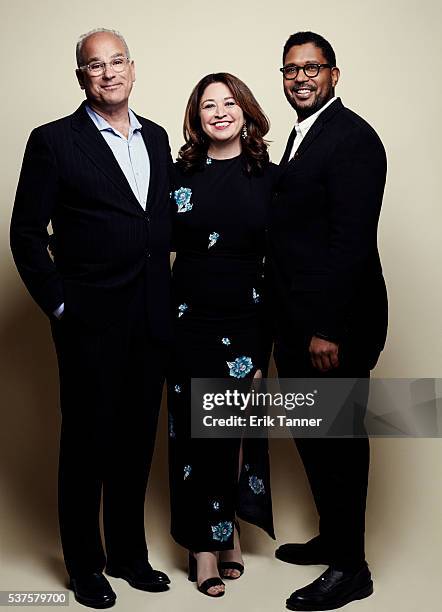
(101, 123)
(304, 126)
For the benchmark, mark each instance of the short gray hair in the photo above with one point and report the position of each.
(83, 37)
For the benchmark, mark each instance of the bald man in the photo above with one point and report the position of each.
(101, 177)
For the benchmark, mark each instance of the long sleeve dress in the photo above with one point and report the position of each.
(221, 331)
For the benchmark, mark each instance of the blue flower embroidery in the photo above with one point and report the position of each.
(216, 505)
(208, 161)
(177, 388)
(187, 471)
(222, 531)
(256, 296)
(182, 309)
(171, 429)
(213, 237)
(182, 199)
(226, 341)
(256, 484)
(240, 367)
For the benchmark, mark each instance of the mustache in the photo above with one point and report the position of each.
(296, 88)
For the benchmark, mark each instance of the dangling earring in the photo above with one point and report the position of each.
(244, 132)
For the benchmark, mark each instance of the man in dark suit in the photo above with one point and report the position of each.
(100, 176)
(330, 303)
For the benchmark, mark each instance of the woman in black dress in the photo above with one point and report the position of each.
(223, 188)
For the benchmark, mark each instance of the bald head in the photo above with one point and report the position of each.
(80, 48)
(108, 87)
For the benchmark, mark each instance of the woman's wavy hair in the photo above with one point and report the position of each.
(193, 153)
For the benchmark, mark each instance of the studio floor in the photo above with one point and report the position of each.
(403, 537)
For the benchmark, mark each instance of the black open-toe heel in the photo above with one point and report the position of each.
(207, 584)
(234, 565)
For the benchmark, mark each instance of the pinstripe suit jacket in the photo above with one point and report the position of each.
(105, 240)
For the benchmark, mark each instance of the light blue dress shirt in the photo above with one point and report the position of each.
(131, 155)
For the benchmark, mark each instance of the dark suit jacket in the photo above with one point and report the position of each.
(323, 268)
(105, 240)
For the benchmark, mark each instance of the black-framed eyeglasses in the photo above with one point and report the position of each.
(118, 64)
(310, 70)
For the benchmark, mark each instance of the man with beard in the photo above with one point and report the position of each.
(100, 176)
(329, 301)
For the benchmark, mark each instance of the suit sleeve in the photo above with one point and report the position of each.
(355, 182)
(33, 208)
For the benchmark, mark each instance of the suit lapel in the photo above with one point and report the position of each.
(288, 148)
(92, 143)
(150, 141)
(311, 135)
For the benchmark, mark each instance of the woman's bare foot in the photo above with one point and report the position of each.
(232, 555)
(207, 567)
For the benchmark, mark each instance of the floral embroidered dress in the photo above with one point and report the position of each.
(221, 332)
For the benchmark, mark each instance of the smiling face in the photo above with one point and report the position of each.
(110, 90)
(221, 116)
(308, 94)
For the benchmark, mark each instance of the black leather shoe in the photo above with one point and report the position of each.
(333, 589)
(93, 590)
(143, 577)
(310, 553)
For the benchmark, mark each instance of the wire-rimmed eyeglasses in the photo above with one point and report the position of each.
(118, 64)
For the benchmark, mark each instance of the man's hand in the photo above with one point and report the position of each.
(324, 354)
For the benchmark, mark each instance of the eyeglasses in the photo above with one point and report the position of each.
(310, 70)
(118, 64)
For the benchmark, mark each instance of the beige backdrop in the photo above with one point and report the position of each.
(389, 54)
